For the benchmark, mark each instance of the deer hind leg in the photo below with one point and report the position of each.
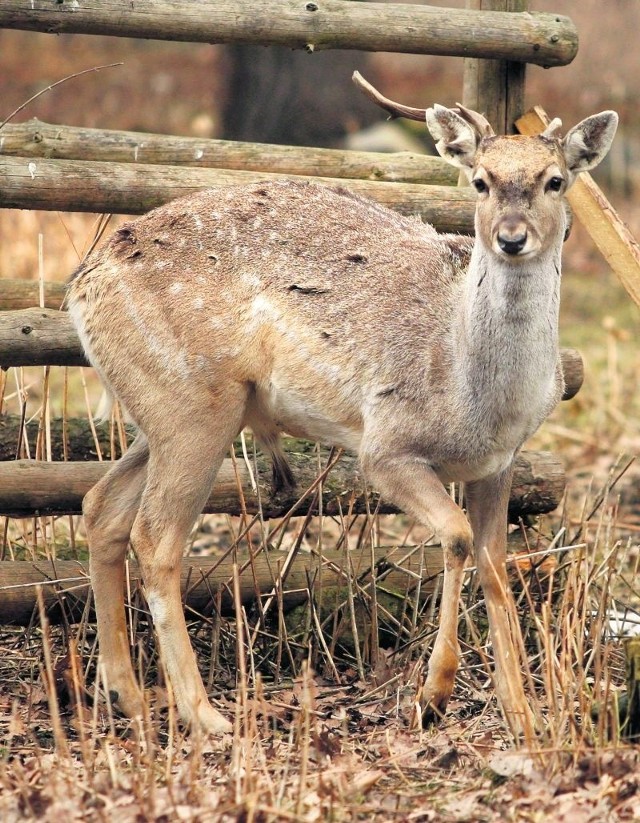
(411, 484)
(184, 460)
(487, 501)
(109, 510)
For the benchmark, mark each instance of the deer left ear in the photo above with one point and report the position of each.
(456, 140)
(588, 142)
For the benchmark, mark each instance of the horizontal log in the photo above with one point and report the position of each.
(203, 577)
(34, 487)
(544, 39)
(46, 337)
(37, 139)
(25, 294)
(39, 337)
(130, 188)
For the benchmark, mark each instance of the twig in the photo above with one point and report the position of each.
(52, 86)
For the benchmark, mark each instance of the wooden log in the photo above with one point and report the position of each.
(39, 337)
(65, 583)
(37, 139)
(70, 439)
(35, 487)
(496, 87)
(128, 188)
(538, 482)
(573, 372)
(544, 39)
(25, 294)
(612, 237)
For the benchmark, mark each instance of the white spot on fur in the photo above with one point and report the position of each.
(249, 279)
(198, 303)
(262, 308)
(176, 288)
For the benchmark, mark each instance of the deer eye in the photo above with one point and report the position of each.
(479, 185)
(554, 184)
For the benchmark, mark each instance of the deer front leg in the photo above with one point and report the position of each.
(487, 501)
(411, 484)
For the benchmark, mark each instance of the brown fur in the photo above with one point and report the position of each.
(299, 308)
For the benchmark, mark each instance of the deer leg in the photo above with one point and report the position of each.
(109, 510)
(181, 471)
(412, 485)
(487, 501)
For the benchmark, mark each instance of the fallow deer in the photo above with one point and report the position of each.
(294, 307)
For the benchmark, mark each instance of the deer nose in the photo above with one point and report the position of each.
(512, 241)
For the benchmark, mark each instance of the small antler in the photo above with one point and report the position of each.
(477, 121)
(553, 129)
(394, 109)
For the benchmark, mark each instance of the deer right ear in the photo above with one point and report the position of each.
(456, 140)
(588, 142)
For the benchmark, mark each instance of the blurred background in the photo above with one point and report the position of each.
(278, 95)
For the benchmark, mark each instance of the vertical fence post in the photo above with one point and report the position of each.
(495, 87)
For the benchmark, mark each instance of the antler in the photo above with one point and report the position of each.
(394, 109)
(477, 121)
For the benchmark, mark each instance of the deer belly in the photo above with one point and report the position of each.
(474, 469)
(297, 414)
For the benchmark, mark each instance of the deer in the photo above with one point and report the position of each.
(293, 306)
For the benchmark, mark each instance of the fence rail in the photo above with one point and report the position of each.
(43, 488)
(45, 140)
(540, 38)
(129, 188)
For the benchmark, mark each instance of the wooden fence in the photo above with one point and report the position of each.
(44, 166)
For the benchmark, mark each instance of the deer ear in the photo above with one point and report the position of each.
(456, 140)
(588, 142)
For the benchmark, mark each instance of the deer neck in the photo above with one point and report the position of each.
(507, 345)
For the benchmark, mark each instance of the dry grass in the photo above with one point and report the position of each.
(313, 739)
